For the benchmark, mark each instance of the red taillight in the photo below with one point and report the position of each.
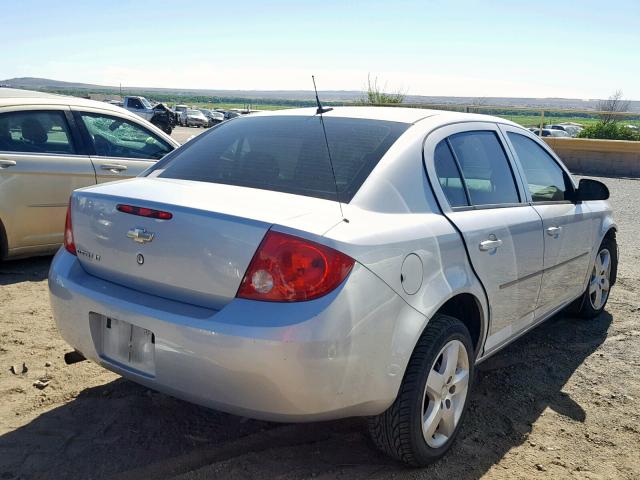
(69, 244)
(291, 269)
(144, 212)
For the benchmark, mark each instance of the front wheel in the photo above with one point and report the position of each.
(595, 297)
(422, 423)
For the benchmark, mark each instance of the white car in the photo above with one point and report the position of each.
(181, 113)
(195, 118)
(571, 130)
(297, 266)
(550, 132)
(52, 144)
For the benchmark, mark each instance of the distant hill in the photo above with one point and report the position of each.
(291, 97)
(34, 82)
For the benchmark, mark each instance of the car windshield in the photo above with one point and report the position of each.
(194, 112)
(145, 103)
(286, 154)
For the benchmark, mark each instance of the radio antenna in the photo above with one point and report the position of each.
(320, 111)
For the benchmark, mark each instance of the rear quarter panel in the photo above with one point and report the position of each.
(394, 215)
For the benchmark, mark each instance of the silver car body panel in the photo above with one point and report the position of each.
(200, 255)
(340, 355)
(290, 362)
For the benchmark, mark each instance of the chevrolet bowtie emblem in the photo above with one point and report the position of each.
(140, 235)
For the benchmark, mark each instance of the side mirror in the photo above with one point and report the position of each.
(591, 190)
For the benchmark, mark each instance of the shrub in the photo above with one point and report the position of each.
(609, 131)
(375, 96)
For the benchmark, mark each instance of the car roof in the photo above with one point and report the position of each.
(14, 96)
(394, 114)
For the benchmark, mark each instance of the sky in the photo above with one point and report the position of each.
(560, 48)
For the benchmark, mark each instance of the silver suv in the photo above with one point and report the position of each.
(312, 264)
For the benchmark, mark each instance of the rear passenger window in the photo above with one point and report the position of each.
(449, 176)
(485, 168)
(35, 132)
(546, 180)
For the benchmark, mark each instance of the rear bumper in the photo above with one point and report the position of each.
(337, 356)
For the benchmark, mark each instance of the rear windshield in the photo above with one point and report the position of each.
(286, 154)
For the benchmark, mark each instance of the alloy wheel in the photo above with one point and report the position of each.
(599, 283)
(445, 394)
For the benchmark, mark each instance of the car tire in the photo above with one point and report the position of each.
(602, 278)
(422, 423)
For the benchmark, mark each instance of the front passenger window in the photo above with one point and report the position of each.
(546, 180)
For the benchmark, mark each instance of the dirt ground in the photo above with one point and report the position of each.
(562, 402)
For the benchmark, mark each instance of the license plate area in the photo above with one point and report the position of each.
(127, 345)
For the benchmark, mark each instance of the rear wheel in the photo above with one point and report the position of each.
(424, 420)
(602, 277)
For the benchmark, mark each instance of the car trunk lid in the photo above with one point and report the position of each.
(200, 255)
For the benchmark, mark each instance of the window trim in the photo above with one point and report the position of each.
(489, 206)
(88, 141)
(467, 195)
(78, 147)
(506, 129)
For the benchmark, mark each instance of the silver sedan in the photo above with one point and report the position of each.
(306, 265)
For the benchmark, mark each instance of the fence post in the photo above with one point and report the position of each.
(541, 121)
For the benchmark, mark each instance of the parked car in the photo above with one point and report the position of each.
(306, 287)
(49, 146)
(243, 111)
(548, 132)
(229, 114)
(181, 113)
(572, 130)
(159, 114)
(213, 117)
(195, 118)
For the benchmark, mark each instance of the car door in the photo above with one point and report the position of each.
(41, 163)
(568, 229)
(120, 147)
(478, 190)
